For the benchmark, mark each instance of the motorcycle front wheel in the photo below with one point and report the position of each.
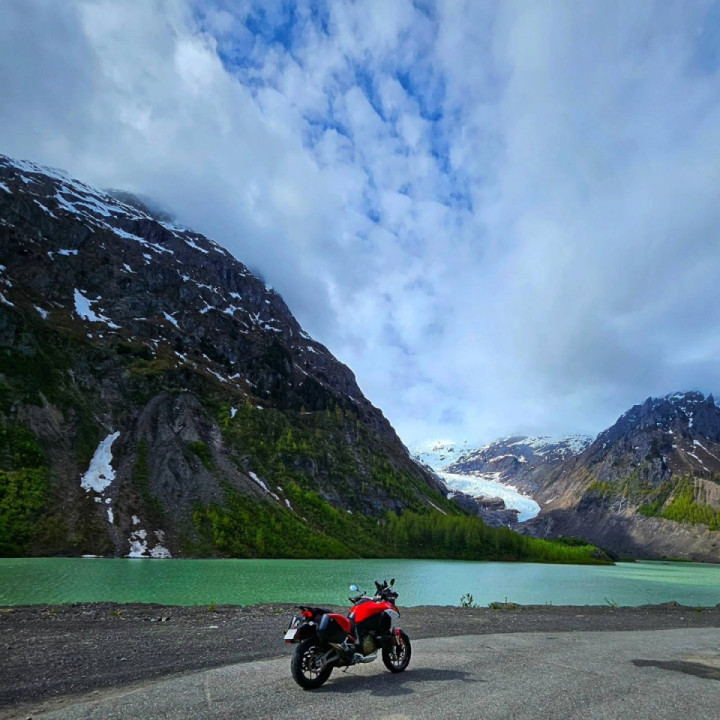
(306, 665)
(397, 657)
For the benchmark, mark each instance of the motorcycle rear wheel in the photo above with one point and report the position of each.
(397, 657)
(304, 665)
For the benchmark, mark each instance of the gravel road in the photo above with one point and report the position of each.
(52, 652)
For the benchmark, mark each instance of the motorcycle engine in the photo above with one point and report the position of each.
(368, 644)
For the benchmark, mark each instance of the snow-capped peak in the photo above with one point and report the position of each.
(439, 453)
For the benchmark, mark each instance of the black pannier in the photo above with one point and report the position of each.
(330, 630)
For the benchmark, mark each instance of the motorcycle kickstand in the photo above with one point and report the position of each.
(347, 667)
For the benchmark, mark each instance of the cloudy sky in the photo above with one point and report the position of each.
(503, 216)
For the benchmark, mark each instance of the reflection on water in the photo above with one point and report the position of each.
(419, 582)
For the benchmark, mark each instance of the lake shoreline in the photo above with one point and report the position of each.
(55, 652)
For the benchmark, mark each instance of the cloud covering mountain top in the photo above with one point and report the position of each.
(503, 217)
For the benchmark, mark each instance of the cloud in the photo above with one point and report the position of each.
(503, 217)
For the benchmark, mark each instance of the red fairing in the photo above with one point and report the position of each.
(342, 621)
(362, 611)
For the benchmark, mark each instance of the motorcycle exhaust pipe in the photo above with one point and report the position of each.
(358, 658)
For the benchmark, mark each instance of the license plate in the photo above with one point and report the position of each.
(292, 629)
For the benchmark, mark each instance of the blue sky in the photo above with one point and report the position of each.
(502, 216)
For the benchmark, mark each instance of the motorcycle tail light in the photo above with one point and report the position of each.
(306, 614)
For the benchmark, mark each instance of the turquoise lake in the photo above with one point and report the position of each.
(419, 582)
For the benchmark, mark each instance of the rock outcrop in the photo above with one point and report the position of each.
(492, 510)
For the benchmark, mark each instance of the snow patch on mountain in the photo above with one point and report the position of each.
(139, 544)
(84, 310)
(543, 444)
(439, 453)
(100, 473)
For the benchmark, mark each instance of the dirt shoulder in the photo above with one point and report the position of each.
(53, 652)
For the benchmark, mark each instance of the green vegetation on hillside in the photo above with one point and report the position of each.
(243, 527)
(140, 479)
(434, 535)
(202, 451)
(656, 499)
(329, 452)
(23, 487)
(314, 528)
(634, 489)
(684, 508)
(673, 499)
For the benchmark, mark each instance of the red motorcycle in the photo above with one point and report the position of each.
(328, 640)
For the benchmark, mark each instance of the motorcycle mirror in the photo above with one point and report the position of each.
(353, 588)
(392, 581)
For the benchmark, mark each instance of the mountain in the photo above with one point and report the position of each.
(519, 461)
(649, 486)
(156, 398)
(498, 480)
(495, 481)
(159, 400)
(439, 453)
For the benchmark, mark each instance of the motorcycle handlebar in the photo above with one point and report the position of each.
(382, 592)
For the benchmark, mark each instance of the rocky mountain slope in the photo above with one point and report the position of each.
(156, 398)
(649, 486)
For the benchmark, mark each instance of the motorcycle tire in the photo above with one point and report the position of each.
(397, 657)
(301, 665)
